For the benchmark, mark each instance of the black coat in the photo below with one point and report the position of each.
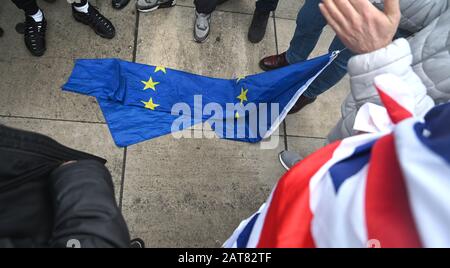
(44, 204)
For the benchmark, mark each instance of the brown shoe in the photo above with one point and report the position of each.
(301, 103)
(274, 62)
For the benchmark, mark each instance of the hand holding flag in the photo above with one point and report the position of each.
(360, 25)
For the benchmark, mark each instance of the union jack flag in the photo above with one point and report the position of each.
(385, 189)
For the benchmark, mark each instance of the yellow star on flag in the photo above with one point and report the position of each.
(243, 96)
(150, 84)
(239, 78)
(160, 68)
(237, 116)
(150, 104)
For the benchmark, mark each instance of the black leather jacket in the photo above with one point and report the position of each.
(44, 204)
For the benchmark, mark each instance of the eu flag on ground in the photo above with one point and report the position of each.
(141, 102)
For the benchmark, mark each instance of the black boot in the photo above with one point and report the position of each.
(34, 36)
(101, 25)
(119, 4)
(301, 103)
(258, 27)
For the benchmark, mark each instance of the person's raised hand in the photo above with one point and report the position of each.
(360, 25)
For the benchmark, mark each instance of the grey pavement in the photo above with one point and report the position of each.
(173, 192)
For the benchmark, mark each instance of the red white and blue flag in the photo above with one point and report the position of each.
(385, 189)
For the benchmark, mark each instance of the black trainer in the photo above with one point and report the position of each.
(101, 25)
(119, 4)
(258, 27)
(34, 36)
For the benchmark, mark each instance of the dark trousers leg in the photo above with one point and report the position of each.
(266, 5)
(30, 7)
(205, 6)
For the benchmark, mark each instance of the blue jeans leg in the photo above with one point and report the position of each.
(310, 24)
(333, 73)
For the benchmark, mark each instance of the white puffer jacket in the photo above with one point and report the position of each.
(423, 61)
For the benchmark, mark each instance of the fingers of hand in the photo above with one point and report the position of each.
(330, 19)
(348, 11)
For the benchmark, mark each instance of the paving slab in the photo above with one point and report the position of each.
(288, 9)
(195, 192)
(226, 54)
(32, 88)
(304, 146)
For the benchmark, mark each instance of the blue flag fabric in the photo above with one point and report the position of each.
(141, 102)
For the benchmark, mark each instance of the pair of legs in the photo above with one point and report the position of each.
(310, 25)
(36, 24)
(204, 8)
(208, 6)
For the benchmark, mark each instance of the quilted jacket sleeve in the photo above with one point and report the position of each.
(394, 59)
(417, 15)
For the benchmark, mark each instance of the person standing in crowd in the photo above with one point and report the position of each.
(260, 18)
(417, 60)
(36, 23)
(310, 25)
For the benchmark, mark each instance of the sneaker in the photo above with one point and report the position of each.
(258, 27)
(34, 36)
(119, 4)
(201, 27)
(101, 25)
(289, 159)
(151, 5)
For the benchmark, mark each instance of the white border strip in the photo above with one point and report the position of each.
(297, 95)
